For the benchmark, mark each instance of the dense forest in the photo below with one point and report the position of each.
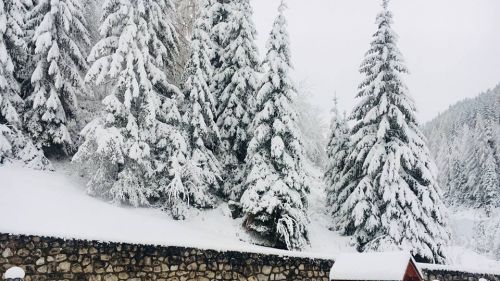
(465, 141)
(170, 105)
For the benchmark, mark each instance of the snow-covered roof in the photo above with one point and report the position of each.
(14, 272)
(370, 266)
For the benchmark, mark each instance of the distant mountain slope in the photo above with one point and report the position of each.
(465, 142)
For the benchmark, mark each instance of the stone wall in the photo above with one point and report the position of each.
(450, 275)
(53, 259)
(63, 260)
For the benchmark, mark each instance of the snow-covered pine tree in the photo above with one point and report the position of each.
(483, 184)
(312, 126)
(199, 108)
(179, 180)
(185, 184)
(455, 142)
(455, 185)
(9, 90)
(393, 199)
(236, 82)
(487, 234)
(23, 74)
(137, 151)
(275, 196)
(117, 146)
(60, 37)
(336, 150)
(14, 144)
(218, 15)
(15, 35)
(92, 14)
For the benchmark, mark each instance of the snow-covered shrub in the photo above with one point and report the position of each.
(487, 234)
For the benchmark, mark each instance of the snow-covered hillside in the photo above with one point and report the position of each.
(55, 204)
(465, 142)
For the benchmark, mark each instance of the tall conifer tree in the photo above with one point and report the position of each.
(336, 150)
(14, 144)
(393, 199)
(218, 16)
(137, 151)
(275, 196)
(237, 83)
(203, 133)
(483, 183)
(60, 37)
(16, 34)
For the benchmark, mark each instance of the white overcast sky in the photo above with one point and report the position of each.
(452, 47)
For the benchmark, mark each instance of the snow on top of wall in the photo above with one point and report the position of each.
(370, 266)
(465, 269)
(14, 272)
(54, 204)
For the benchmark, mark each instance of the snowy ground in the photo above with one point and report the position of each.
(55, 204)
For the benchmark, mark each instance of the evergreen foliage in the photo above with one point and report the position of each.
(465, 142)
(204, 137)
(275, 187)
(389, 196)
(14, 144)
(219, 12)
(137, 152)
(236, 81)
(336, 150)
(312, 126)
(59, 36)
(16, 36)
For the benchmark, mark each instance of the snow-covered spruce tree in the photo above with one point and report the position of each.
(218, 15)
(237, 82)
(483, 184)
(455, 183)
(199, 103)
(186, 182)
(311, 125)
(392, 200)
(180, 179)
(14, 144)
(275, 196)
(455, 142)
(9, 92)
(60, 37)
(125, 150)
(336, 151)
(15, 35)
(487, 234)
